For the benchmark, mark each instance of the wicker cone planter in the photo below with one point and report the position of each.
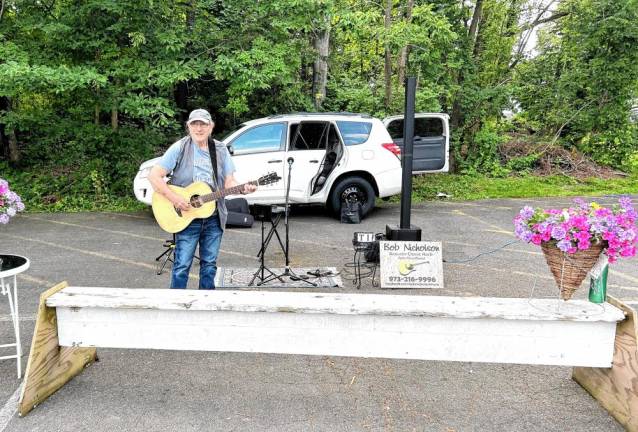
(569, 270)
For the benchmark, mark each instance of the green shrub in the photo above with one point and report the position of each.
(523, 164)
(483, 155)
(93, 169)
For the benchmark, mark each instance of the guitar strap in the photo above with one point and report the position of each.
(213, 159)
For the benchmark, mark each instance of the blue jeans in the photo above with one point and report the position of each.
(208, 233)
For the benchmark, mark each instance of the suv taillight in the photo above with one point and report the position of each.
(392, 148)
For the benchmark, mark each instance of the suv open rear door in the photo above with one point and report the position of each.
(431, 140)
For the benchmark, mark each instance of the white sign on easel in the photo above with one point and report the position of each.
(407, 264)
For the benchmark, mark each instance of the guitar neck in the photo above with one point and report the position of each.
(214, 196)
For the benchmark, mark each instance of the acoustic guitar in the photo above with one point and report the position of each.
(407, 267)
(201, 199)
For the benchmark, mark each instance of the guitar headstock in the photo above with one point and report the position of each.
(269, 178)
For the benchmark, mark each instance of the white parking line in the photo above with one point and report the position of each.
(91, 253)
(9, 409)
(22, 318)
(126, 233)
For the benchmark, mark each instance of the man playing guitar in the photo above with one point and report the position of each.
(189, 160)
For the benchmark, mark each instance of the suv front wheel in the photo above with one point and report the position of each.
(352, 189)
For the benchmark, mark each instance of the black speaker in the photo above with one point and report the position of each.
(262, 212)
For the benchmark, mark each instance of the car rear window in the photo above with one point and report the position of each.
(354, 132)
(424, 127)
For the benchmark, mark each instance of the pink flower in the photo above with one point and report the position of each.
(582, 236)
(584, 245)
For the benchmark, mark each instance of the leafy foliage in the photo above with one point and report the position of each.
(580, 87)
(90, 89)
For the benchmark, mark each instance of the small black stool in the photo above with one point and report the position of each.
(167, 255)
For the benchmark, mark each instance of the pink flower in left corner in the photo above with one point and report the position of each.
(10, 203)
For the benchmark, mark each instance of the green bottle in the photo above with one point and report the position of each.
(598, 281)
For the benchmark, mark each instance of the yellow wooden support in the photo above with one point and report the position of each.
(50, 366)
(616, 389)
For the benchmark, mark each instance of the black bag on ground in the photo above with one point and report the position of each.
(239, 220)
(351, 212)
(238, 214)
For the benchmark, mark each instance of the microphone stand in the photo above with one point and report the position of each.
(287, 270)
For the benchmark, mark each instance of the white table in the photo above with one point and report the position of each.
(10, 267)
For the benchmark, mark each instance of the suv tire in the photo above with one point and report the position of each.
(352, 188)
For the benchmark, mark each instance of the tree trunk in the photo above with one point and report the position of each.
(181, 99)
(114, 118)
(320, 70)
(4, 138)
(474, 26)
(8, 138)
(181, 89)
(14, 153)
(403, 56)
(304, 76)
(457, 116)
(388, 55)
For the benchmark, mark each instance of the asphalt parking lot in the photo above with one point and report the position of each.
(140, 390)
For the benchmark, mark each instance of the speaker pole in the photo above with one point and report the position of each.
(405, 231)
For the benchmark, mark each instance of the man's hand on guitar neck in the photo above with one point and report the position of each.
(249, 188)
(230, 181)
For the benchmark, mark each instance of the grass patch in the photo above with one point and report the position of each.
(75, 203)
(40, 194)
(467, 188)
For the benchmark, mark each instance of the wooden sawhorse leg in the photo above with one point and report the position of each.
(50, 366)
(616, 389)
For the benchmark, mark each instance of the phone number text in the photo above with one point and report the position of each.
(421, 279)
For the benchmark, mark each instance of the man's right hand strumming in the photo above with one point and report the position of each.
(179, 202)
(156, 177)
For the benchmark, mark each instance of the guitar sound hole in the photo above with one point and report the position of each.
(195, 201)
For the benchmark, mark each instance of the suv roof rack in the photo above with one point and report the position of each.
(349, 114)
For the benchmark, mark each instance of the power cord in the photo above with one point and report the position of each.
(319, 274)
(481, 254)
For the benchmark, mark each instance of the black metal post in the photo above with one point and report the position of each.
(405, 231)
(406, 154)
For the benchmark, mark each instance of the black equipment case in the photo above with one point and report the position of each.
(238, 213)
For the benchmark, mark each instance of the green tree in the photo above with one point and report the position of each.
(581, 85)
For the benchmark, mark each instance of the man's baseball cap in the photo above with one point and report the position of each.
(200, 115)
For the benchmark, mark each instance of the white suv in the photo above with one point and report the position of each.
(334, 157)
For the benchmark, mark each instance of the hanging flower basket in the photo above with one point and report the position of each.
(569, 271)
(573, 238)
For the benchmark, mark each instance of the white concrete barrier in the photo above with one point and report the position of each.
(476, 329)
